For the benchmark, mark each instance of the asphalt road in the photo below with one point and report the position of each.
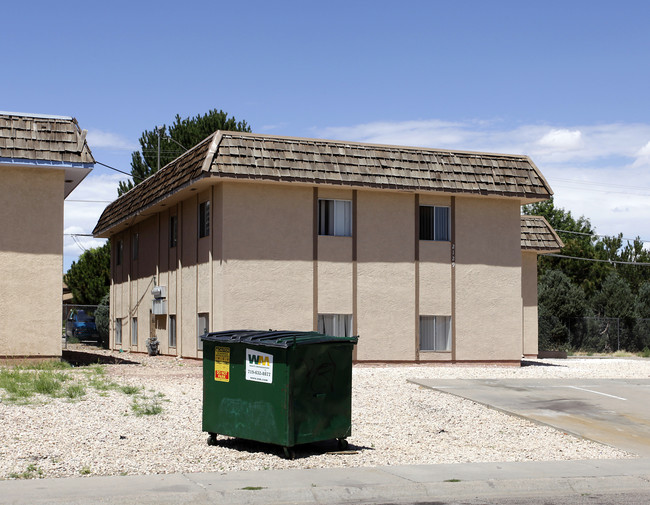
(615, 412)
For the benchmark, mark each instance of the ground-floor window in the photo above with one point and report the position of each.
(118, 331)
(172, 330)
(134, 331)
(337, 325)
(203, 327)
(435, 333)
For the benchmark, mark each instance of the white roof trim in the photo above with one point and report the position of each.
(38, 116)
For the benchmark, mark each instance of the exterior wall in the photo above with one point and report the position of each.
(529, 299)
(488, 313)
(265, 266)
(31, 261)
(267, 256)
(386, 276)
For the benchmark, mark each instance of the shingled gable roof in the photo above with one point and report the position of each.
(538, 235)
(43, 138)
(248, 156)
(48, 142)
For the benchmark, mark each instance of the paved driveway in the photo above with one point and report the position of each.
(615, 412)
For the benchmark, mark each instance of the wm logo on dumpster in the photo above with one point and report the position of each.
(259, 366)
(259, 360)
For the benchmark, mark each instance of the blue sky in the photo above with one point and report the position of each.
(566, 82)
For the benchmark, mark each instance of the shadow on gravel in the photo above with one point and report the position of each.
(81, 358)
(300, 451)
(537, 363)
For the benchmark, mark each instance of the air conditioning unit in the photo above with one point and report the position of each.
(159, 292)
(159, 307)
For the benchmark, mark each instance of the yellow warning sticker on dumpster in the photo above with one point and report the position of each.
(222, 364)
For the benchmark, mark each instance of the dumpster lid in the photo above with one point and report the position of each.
(276, 338)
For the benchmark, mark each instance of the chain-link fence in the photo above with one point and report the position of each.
(595, 334)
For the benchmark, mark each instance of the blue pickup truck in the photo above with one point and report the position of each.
(80, 324)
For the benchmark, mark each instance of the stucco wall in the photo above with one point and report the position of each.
(488, 318)
(386, 276)
(529, 297)
(267, 263)
(31, 263)
(264, 266)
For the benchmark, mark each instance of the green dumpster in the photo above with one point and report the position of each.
(278, 387)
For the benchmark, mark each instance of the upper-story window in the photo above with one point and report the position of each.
(204, 219)
(173, 231)
(335, 217)
(119, 251)
(435, 223)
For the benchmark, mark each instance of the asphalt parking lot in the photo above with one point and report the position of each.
(615, 412)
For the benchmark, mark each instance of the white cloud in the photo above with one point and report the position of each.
(106, 140)
(562, 140)
(82, 210)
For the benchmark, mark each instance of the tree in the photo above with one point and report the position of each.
(580, 243)
(102, 317)
(559, 301)
(89, 276)
(182, 135)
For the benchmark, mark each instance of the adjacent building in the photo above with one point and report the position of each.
(423, 253)
(42, 159)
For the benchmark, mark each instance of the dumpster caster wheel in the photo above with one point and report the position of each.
(289, 453)
(342, 444)
(212, 439)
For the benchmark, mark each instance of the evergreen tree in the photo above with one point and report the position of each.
(182, 135)
(89, 276)
(559, 302)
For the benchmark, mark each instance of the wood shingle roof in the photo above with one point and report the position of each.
(54, 139)
(538, 235)
(236, 155)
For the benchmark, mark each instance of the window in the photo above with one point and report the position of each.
(119, 249)
(204, 219)
(337, 325)
(173, 231)
(435, 223)
(435, 333)
(203, 327)
(135, 246)
(118, 331)
(335, 218)
(134, 331)
(172, 330)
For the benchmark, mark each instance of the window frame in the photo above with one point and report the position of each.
(199, 315)
(171, 334)
(119, 252)
(340, 209)
(118, 331)
(431, 233)
(334, 321)
(204, 219)
(173, 231)
(134, 331)
(435, 323)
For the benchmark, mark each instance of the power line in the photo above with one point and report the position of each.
(597, 235)
(599, 261)
(89, 201)
(118, 170)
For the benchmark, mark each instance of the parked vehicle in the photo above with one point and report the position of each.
(80, 324)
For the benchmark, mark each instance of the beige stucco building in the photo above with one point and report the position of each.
(42, 159)
(422, 253)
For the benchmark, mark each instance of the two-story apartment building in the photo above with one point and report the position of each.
(42, 159)
(418, 251)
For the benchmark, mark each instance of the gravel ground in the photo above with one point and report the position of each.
(393, 422)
